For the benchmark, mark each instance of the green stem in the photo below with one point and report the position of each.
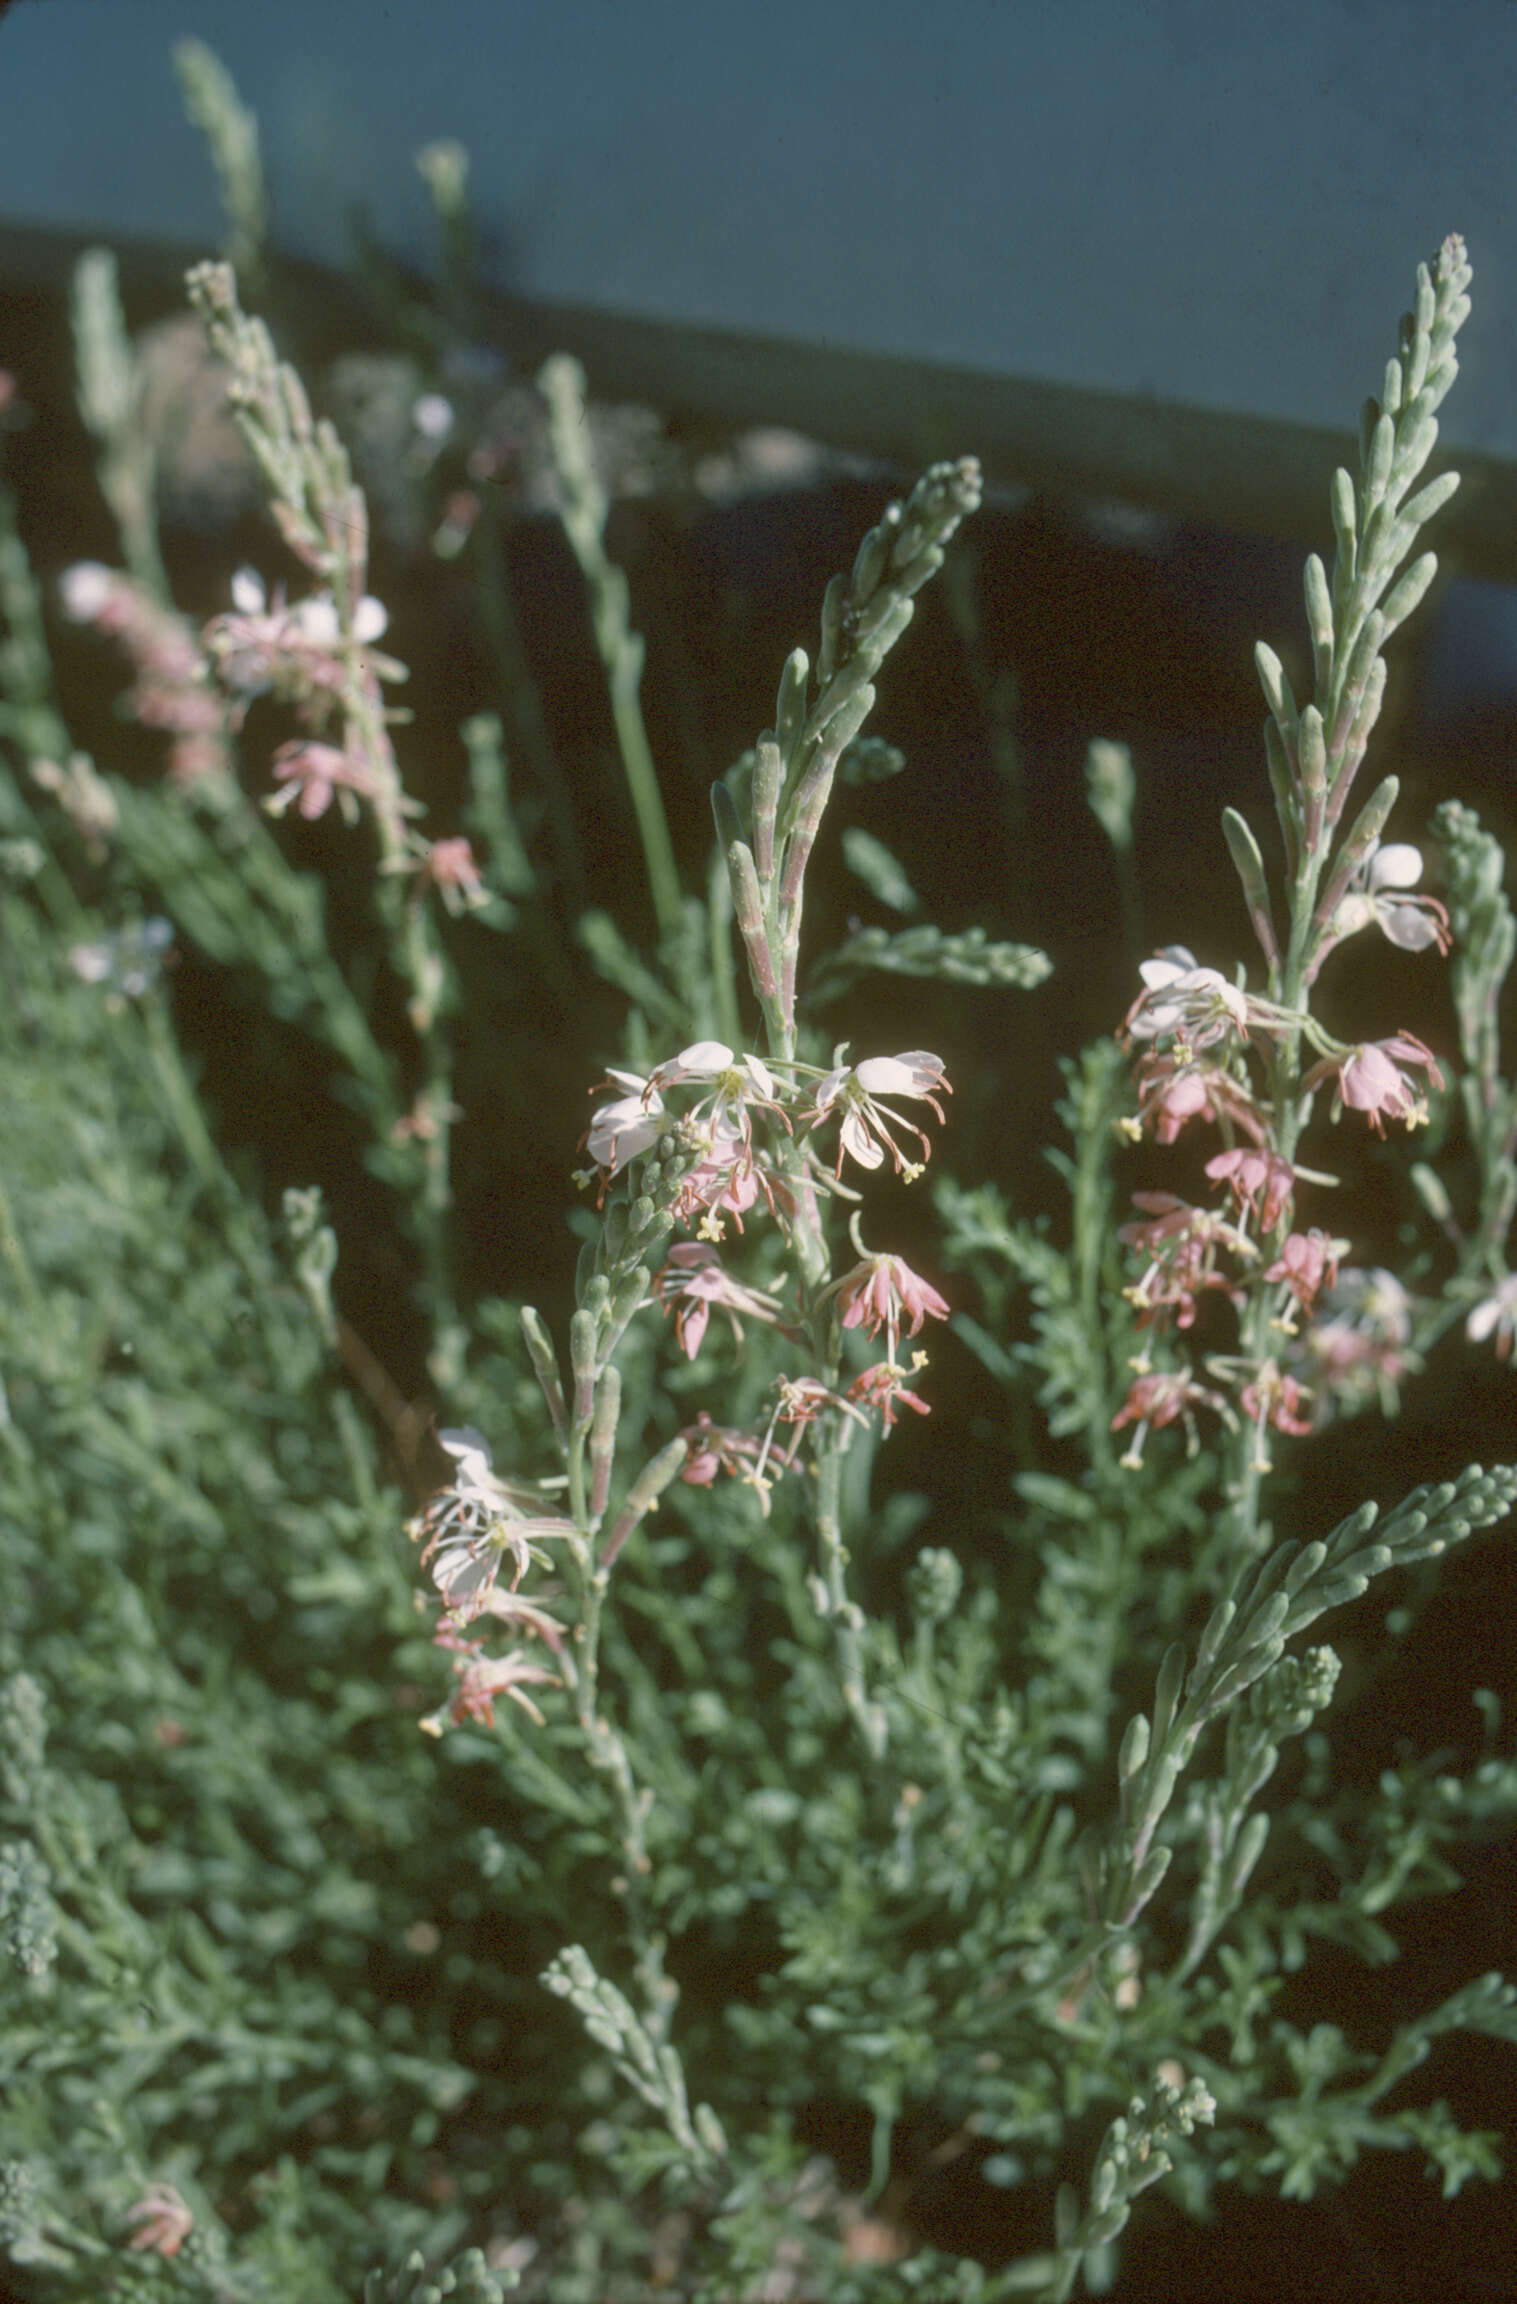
(585, 512)
(846, 1615)
(418, 959)
(604, 1745)
(642, 782)
(1288, 986)
(729, 1023)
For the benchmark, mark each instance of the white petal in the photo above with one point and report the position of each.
(1165, 967)
(463, 1441)
(85, 588)
(369, 619)
(1398, 866)
(1411, 929)
(460, 1577)
(433, 416)
(894, 1075)
(701, 1061)
(620, 1131)
(248, 595)
(316, 620)
(1354, 913)
(1158, 975)
(858, 1141)
(91, 963)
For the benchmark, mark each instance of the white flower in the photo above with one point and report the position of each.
(855, 1089)
(85, 588)
(1377, 893)
(737, 1082)
(1496, 1316)
(623, 1129)
(470, 1451)
(475, 1522)
(313, 621)
(1180, 999)
(432, 416)
(712, 1060)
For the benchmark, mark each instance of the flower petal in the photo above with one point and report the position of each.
(857, 1140)
(1396, 866)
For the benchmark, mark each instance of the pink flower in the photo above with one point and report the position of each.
(1308, 1262)
(1182, 1244)
(313, 773)
(1252, 1175)
(727, 1178)
(1361, 1350)
(854, 1091)
(692, 1281)
(428, 1116)
(173, 690)
(727, 1181)
(884, 1387)
(876, 1293)
(713, 1448)
(1272, 1397)
(163, 2222)
(1160, 1396)
(803, 1398)
(450, 866)
(481, 1679)
(1370, 1079)
(1174, 1089)
(516, 1609)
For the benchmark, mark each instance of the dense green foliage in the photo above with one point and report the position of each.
(817, 1813)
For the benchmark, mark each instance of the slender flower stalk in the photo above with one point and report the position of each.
(585, 511)
(1203, 1033)
(321, 653)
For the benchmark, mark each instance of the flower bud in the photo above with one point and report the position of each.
(789, 719)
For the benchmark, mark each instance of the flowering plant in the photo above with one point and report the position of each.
(785, 1844)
